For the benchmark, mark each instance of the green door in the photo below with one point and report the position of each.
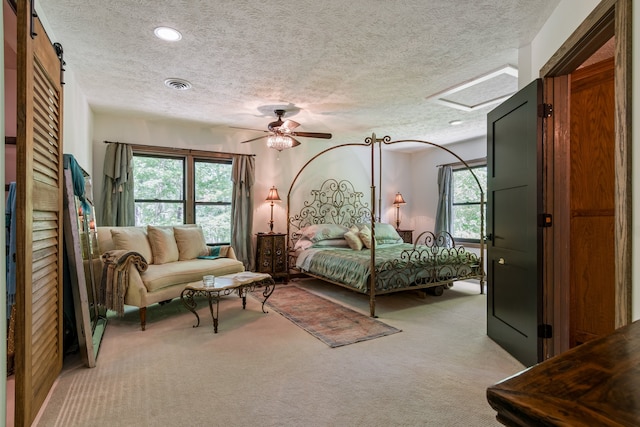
(514, 278)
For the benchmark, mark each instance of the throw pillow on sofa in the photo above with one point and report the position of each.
(163, 244)
(190, 242)
(132, 239)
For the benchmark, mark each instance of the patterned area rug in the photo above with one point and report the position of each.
(331, 323)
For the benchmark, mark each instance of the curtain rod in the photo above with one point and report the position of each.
(187, 150)
(478, 160)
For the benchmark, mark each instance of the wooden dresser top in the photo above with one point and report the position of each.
(596, 383)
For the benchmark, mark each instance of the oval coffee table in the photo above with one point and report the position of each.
(239, 283)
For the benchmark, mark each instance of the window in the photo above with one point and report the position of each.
(466, 203)
(213, 192)
(158, 188)
(184, 188)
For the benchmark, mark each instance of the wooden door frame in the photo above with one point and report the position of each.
(610, 18)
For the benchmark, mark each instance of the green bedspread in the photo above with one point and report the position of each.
(397, 265)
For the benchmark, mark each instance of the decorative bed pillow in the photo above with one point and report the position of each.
(365, 236)
(353, 239)
(163, 244)
(190, 242)
(318, 232)
(302, 243)
(132, 239)
(385, 233)
(332, 243)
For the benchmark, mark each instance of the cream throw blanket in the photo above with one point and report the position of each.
(115, 277)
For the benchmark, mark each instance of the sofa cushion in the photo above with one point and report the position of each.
(163, 244)
(190, 242)
(132, 239)
(183, 272)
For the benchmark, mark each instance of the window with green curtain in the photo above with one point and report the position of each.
(466, 203)
(183, 189)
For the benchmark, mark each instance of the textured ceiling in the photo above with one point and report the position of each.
(349, 68)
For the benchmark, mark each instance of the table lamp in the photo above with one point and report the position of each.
(397, 202)
(272, 197)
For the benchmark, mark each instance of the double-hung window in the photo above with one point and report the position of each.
(173, 187)
(212, 202)
(466, 203)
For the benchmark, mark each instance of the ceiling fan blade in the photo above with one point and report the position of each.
(255, 130)
(289, 124)
(313, 135)
(254, 139)
(295, 142)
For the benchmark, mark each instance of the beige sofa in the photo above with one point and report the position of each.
(172, 257)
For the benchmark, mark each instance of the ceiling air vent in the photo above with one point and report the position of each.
(177, 84)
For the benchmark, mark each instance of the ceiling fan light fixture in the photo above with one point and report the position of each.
(279, 142)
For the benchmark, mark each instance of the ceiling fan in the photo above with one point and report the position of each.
(281, 133)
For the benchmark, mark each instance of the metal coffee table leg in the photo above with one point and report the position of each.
(214, 313)
(186, 296)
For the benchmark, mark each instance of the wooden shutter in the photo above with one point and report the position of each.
(39, 335)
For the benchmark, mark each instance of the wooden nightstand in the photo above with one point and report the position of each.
(407, 235)
(271, 254)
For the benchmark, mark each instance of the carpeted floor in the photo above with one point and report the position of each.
(332, 323)
(261, 369)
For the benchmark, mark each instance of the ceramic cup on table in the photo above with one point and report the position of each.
(209, 280)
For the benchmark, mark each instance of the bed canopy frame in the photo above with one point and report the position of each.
(372, 142)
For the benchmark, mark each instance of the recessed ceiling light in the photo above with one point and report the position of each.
(168, 34)
(455, 122)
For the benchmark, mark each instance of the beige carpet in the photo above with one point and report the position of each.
(260, 369)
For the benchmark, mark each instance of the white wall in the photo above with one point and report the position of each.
(10, 101)
(77, 132)
(272, 168)
(424, 170)
(561, 24)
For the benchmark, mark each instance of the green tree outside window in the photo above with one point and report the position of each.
(466, 203)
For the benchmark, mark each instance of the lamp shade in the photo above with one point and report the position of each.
(399, 200)
(273, 195)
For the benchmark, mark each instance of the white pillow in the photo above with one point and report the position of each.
(365, 235)
(352, 238)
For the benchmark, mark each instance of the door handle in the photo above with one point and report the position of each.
(501, 261)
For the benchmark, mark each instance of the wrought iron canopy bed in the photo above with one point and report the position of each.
(320, 239)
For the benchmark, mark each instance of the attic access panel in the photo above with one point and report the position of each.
(482, 91)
